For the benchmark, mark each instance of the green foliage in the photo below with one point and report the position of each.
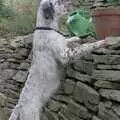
(3, 26)
(6, 12)
(17, 17)
(114, 2)
(1, 3)
(22, 24)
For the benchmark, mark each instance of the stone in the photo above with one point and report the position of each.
(108, 104)
(20, 76)
(87, 95)
(12, 101)
(88, 57)
(107, 84)
(107, 59)
(54, 105)
(1, 80)
(28, 40)
(105, 51)
(7, 113)
(63, 108)
(43, 117)
(106, 114)
(2, 114)
(13, 60)
(50, 115)
(98, 4)
(101, 51)
(62, 98)
(108, 67)
(3, 99)
(10, 105)
(61, 116)
(21, 53)
(2, 86)
(5, 56)
(78, 76)
(84, 66)
(116, 109)
(76, 3)
(24, 66)
(95, 118)
(11, 87)
(115, 47)
(30, 56)
(113, 42)
(88, 39)
(17, 42)
(67, 115)
(110, 94)
(4, 65)
(3, 42)
(106, 75)
(7, 73)
(71, 116)
(14, 66)
(78, 110)
(12, 94)
(60, 90)
(69, 86)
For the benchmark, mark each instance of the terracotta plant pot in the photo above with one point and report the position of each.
(107, 22)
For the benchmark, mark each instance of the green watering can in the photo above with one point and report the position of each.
(79, 23)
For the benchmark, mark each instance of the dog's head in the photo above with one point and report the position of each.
(52, 8)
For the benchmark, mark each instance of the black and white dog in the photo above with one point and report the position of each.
(50, 55)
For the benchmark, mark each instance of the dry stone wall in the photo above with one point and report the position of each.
(91, 90)
(87, 4)
(14, 65)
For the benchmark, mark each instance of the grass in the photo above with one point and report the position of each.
(17, 20)
(17, 17)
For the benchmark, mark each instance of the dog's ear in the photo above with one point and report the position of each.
(48, 10)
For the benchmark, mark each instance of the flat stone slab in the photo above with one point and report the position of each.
(107, 59)
(84, 66)
(110, 94)
(107, 75)
(107, 84)
(87, 95)
(69, 86)
(78, 110)
(21, 76)
(106, 114)
(78, 76)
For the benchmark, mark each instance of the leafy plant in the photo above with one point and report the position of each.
(22, 24)
(5, 11)
(17, 17)
(114, 2)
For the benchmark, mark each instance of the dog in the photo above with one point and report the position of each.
(50, 56)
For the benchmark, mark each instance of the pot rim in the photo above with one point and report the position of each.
(106, 12)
